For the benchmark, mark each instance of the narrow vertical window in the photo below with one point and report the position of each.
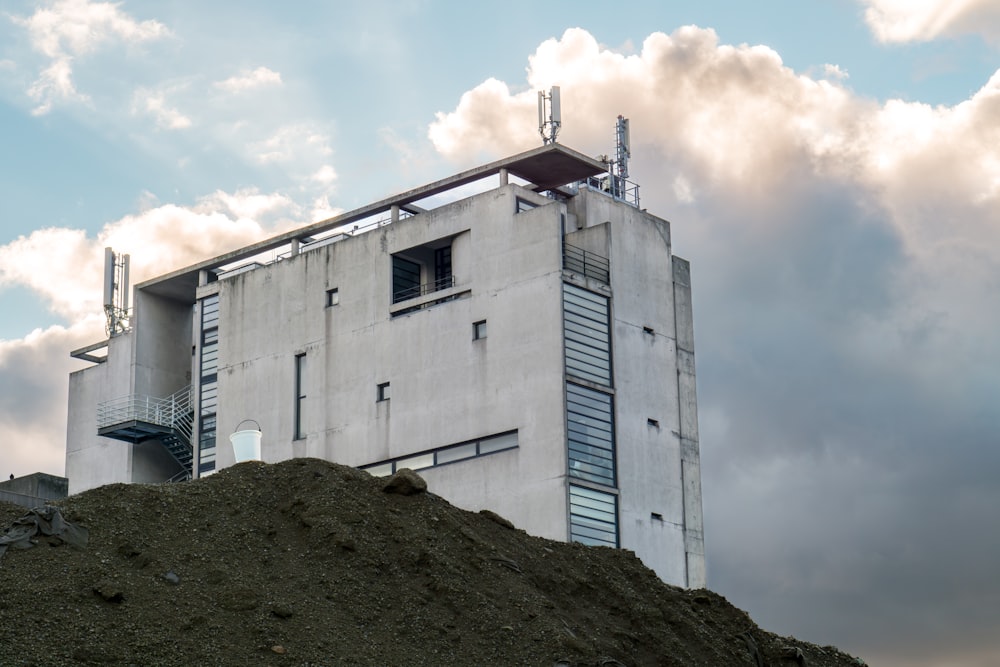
(332, 297)
(382, 392)
(300, 395)
(442, 268)
(479, 330)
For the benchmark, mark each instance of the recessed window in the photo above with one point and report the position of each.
(382, 392)
(525, 205)
(422, 270)
(332, 297)
(649, 330)
(479, 330)
(653, 422)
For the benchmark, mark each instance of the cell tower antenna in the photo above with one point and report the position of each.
(116, 306)
(618, 166)
(549, 115)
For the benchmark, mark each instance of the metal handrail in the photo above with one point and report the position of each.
(174, 411)
(619, 188)
(420, 290)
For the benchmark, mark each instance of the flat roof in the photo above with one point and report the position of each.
(547, 167)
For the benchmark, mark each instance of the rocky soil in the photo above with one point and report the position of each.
(307, 563)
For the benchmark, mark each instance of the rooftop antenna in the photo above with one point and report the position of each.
(618, 166)
(549, 115)
(116, 293)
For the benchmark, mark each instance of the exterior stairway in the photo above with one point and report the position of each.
(139, 418)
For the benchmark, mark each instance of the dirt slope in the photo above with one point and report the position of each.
(308, 563)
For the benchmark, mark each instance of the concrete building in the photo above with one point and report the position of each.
(529, 349)
(34, 490)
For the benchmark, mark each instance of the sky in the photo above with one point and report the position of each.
(831, 168)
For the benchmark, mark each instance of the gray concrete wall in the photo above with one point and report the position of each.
(445, 387)
(33, 490)
(694, 540)
(91, 460)
(162, 349)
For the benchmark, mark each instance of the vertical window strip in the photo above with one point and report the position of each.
(587, 327)
(208, 387)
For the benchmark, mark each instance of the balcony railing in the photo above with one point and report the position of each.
(587, 263)
(174, 411)
(413, 291)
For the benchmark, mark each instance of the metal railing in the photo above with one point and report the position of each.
(621, 189)
(590, 264)
(420, 290)
(174, 411)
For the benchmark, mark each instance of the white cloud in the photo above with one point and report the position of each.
(55, 82)
(72, 28)
(292, 142)
(924, 20)
(834, 72)
(33, 384)
(325, 175)
(154, 103)
(248, 80)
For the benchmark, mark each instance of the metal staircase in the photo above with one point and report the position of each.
(139, 418)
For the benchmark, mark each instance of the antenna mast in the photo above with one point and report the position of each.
(623, 151)
(549, 115)
(116, 293)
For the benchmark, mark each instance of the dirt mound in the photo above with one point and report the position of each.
(308, 563)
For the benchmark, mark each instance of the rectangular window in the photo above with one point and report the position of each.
(525, 205)
(442, 268)
(332, 297)
(593, 517)
(588, 335)
(382, 392)
(405, 279)
(479, 330)
(300, 396)
(449, 454)
(590, 435)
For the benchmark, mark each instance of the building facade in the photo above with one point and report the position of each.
(528, 349)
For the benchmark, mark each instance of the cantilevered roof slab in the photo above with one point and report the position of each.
(552, 166)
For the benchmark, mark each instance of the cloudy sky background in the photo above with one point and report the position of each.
(830, 168)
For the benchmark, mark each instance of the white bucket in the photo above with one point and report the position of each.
(246, 445)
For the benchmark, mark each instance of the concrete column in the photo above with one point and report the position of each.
(394, 214)
(202, 277)
(293, 248)
(687, 407)
(503, 177)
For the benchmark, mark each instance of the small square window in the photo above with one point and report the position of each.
(382, 392)
(525, 205)
(479, 330)
(332, 297)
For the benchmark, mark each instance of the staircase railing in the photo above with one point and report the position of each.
(174, 411)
